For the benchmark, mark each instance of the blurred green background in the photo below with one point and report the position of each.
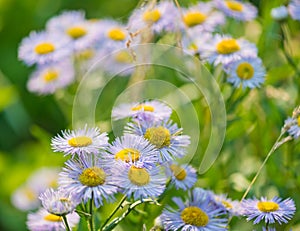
(27, 121)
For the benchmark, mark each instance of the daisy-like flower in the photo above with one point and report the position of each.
(232, 207)
(237, 9)
(271, 211)
(82, 33)
(293, 126)
(43, 47)
(58, 202)
(133, 150)
(224, 49)
(182, 176)
(48, 78)
(81, 141)
(150, 109)
(202, 17)
(25, 198)
(197, 214)
(294, 9)
(88, 178)
(140, 182)
(157, 18)
(246, 72)
(44, 221)
(280, 13)
(164, 135)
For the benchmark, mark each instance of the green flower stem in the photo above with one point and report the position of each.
(66, 223)
(114, 212)
(276, 145)
(90, 220)
(117, 220)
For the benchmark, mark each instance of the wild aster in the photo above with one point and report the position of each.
(82, 33)
(165, 136)
(81, 141)
(236, 9)
(150, 109)
(44, 221)
(157, 18)
(25, 198)
(42, 48)
(133, 150)
(293, 126)
(197, 214)
(58, 202)
(87, 178)
(140, 182)
(232, 207)
(48, 78)
(294, 9)
(182, 176)
(271, 211)
(224, 49)
(202, 17)
(280, 13)
(246, 72)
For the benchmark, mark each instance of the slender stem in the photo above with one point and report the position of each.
(114, 212)
(66, 223)
(90, 219)
(267, 226)
(276, 145)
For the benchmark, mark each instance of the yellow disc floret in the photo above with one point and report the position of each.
(228, 46)
(245, 71)
(267, 206)
(76, 32)
(116, 34)
(194, 18)
(92, 177)
(53, 218)
(158, 136)
(50, 76)
(124, 57)
(138, 176)
(178, 172)
(80, 141)
(234, 5)
(44, 48)
(151, 16)
(143, 107)
(194, 216)
(128, 154)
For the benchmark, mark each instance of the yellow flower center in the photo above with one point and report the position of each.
(85, 54)
(50, 76)
(30, 195)
(151, 16)
(227, 204)
(143, 107)
(194, 18)
(138, 176)
(53, 218)
(92, 177)
(124, 57)
(117, 34)
(245, 71)
(158, 136)
(80, 141)
(128, 154)
(44, 48)
(178, 172)
(298, 121)
(76, 32)
(267, 206)
(194, 216)
(235, 6)
(193, 47)
(228, 46)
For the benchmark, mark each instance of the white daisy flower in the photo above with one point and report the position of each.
(81, 141)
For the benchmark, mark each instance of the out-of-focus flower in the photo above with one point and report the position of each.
(232, 207)
(48, 78)
(293, 126)
(279, 13)
(42, 221)
(43, 47)
(81, 141)
(294, 9)
(237, 9)
(246, 72)
(271, 211)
